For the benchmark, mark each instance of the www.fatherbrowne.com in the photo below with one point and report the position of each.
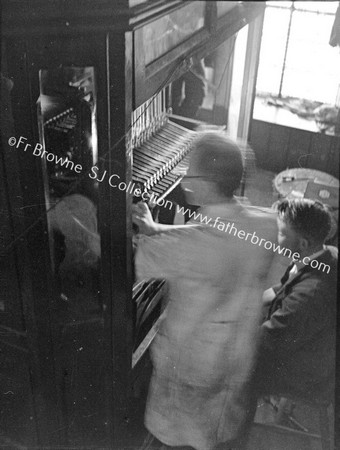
(224, 227)
(252, 237)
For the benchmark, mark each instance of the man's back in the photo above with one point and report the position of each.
(204, 350)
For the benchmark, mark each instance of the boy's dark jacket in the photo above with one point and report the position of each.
(297, 341)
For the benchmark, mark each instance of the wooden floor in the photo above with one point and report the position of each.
(266, 435)
(266, 438)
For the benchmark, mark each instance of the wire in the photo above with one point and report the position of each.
(225, 69)
(227, 63)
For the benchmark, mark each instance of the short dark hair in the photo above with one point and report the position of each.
(220, 159)
(311, 219)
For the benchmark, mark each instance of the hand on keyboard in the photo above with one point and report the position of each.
(141, 216)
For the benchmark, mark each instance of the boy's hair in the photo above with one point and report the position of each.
(220, 159)
(310, 219)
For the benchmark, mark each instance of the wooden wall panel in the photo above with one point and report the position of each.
(299, 148)
(333, 160)
(17, 413)
(278, 147)
(259, 139)
(319, 152)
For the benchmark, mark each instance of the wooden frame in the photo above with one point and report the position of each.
(214, 33)
(111, 41)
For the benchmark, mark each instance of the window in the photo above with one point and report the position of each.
(296, 59)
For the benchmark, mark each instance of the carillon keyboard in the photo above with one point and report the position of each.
(160, 148)
(155, 160)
